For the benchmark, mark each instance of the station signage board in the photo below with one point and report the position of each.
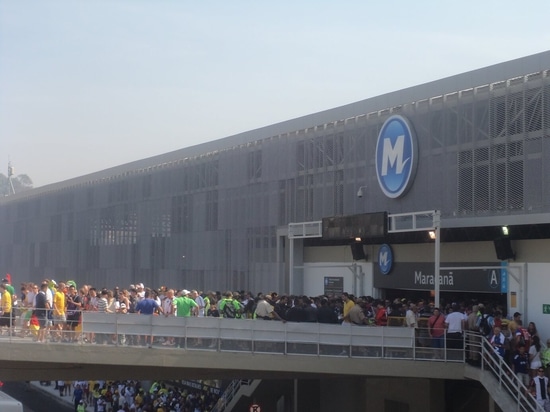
(420, 276)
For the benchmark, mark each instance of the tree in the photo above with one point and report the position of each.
(20, 183)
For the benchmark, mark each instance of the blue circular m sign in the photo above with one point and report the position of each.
(385, 259)
(396, 156)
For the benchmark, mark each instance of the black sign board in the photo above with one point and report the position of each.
(365, 225)
(334, 285)
(420, 276)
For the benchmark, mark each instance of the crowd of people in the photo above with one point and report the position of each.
(133, 396)
(53, 309)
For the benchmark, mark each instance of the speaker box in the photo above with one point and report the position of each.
(358, 252)
(503, 248)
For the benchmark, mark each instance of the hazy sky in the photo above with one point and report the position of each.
(86, 85)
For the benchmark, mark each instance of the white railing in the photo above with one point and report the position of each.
(248, 335)
(273, 337)
(260, 336)
(507, 380)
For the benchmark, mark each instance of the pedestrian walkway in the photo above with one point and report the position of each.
(54, 394)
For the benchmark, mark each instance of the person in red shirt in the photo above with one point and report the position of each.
(436, 329)
(381, 317)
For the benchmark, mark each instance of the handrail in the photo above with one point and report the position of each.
(260, 336)
(229, 393)
(492, 362)
(314, 339)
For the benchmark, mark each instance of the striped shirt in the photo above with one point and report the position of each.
(102, 305)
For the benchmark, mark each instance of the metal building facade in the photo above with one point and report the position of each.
(206, 217)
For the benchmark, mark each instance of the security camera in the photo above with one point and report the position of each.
(360, 192)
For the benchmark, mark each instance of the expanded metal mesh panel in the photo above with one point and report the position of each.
(209, 221)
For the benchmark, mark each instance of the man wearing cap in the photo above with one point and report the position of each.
(140, 291)
(81, 407)
(229, 307)
(9, 287)
(264, 310)
(74, 307)
(183, 307)
(540, 386)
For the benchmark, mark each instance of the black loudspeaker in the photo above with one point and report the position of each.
(358, 252)
(503, 248)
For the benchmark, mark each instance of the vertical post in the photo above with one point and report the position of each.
(291, 267)
(295, 403)
(437, 224)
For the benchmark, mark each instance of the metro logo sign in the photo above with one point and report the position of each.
(385, 259)
(396, 156)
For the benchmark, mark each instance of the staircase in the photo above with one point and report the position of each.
(233, 393)
(507, 391)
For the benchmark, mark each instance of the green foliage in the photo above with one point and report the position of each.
(20, 184)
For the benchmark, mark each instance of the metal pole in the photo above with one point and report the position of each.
(291, 267)
(295, 403)
(437, 224)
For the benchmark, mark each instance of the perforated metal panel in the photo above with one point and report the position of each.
(209, 220)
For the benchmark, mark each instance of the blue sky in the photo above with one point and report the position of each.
(86, 85)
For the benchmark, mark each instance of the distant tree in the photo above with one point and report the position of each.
(20, 184)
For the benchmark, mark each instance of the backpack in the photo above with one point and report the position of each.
(229, 310)
(484, 326)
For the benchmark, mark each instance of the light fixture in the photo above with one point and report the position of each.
(505, 230)
(431, 234)
(360, 191)
(357, 239)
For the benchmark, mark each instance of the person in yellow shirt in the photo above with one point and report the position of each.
(6, 319)
(59, 314)
(348, 304)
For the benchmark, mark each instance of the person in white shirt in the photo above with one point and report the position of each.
(411, 315)
(540, 387)
(199, 300)
(454, 322)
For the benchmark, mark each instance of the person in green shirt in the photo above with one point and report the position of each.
(545, 357)
(81, 407)
(229, 307)
(184, 306)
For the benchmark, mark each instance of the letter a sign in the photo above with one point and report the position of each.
(255, 408)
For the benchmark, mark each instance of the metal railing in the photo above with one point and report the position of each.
(260, 336)
(248, 335)
(272, 337)
(507, 380)
(230, 393)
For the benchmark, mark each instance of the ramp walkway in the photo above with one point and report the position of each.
(277, 350)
